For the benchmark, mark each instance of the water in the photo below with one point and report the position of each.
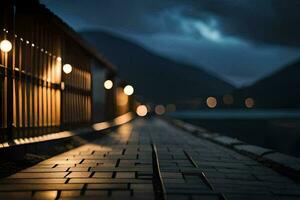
(273, 129)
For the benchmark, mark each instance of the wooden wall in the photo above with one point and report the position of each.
(36, 97)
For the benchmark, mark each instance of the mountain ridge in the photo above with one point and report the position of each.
(280, 89)
(158, 79)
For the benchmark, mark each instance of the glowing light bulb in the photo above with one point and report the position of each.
(58, 59)
(5, 46)
(249, 102)
(128, 90)
(108, 84)
(211, 102)
(141, 110)
(67, 68)
(160, 109)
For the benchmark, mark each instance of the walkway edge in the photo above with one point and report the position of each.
(282, 163)
(70, 133)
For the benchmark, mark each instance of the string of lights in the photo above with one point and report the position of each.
(6, 46)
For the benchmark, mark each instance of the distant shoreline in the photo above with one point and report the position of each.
(237, 114)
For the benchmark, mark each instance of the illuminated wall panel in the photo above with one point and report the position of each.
(31, 75)
(122, 102)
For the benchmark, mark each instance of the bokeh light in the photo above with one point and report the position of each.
(141, 110)
(108, 84)
(128, 90)
(5, 46)
(211, 102)
(67, 68)
(160, 109)
(58, 59)
(249, 102)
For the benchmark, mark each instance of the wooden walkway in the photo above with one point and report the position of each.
(149, 159)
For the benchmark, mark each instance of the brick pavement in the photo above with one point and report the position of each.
(149, 159)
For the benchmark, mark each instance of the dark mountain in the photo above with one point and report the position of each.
(279, 90)
(156, 78)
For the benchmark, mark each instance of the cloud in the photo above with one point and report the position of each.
(233, 60)
(267, 21)
(239, 40)
(259, 21)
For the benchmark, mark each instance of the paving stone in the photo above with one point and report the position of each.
(226, 181)
(178, 197)
(39, 165)
(107, 186)
(173, 180)
(132, 169)
(79, 175)
(71, 193)
(106, 162)
(239, 190)
(286, 197)
(61, 162)
(191, 170)
(241, 176)
(187, 191)
(142, 187)
(45, 195)
(39, 175)
(96, 193)
(169, 175)
(78, 169)
(215, 175)
(35, 170)
(193, 179)
(205, 197)
(15, 195)
(121, 194)
(127, 163)
(125, 175)
(35, 180)
(272, 178)
(103, 175)
(108, 180)
(250, 196)
(24, 187)
(64, 165)
(127, 157)
(287, 191)
(120, 164)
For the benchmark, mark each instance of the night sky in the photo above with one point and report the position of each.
(239, 40)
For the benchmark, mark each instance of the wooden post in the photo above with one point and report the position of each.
(110, 99)
(9, 17)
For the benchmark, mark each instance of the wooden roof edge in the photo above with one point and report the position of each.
(82, 42)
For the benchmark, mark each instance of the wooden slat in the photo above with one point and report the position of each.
(29, 94)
